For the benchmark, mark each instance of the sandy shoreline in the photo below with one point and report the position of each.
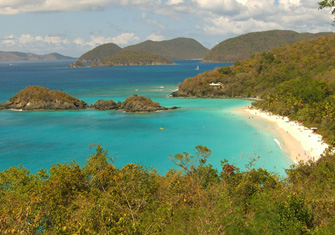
(299, 142)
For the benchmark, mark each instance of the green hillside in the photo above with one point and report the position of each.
(242, 47)
(100, 52)
(126, 57)
(174, 49)
(295, 80)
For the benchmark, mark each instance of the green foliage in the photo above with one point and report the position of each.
(100, 198)
(327, 4)
(38, 97)
(127, 57)
(174, 49)
(100, 52)
(295, 216)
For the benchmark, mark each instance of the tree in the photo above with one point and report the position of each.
(190, 163)
(328, 3)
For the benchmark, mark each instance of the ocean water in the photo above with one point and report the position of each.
(39, 139)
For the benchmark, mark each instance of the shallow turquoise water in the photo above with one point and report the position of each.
(38, 139)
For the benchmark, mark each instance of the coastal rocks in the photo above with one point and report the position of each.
(142, 104)
(41, 98)
(105, 105)
(133, 104)
(77, 64)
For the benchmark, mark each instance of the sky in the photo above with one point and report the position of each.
(72, 27)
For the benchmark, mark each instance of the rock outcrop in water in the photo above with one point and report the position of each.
(41, 98)
(105, 105)
(133, 104)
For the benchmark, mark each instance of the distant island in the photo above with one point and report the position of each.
(127, 58)
(21, 56)
(174, 49)
(145, 53)
(34, 98)
(243, 46)
(100, 52)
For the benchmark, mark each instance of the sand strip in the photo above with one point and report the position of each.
(299, 142)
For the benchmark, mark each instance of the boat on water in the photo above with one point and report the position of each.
(197, 68)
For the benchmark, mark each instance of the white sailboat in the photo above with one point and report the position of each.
(197, 68)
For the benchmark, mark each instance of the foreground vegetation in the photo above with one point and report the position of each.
(295, 80)
(100, 198)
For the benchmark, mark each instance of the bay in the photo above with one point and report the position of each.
(39, 139)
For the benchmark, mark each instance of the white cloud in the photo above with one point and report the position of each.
(79, 41)
(243, 2)
(9, 40)
(219, 6)
(95, 40)
(26, 38)
(125, 39)
(174, 2)
(150, 21)
(98, 40)
(155, 37)
(21, 6)
(260, 15)
(221, 18)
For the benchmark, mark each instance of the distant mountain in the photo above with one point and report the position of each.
(100, 52)
(174, 49)
(242, 47)
(21, 56)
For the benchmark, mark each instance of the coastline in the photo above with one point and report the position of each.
(297, 141)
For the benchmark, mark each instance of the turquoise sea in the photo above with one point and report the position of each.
(39, 139)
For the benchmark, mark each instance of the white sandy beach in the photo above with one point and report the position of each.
(300, 143)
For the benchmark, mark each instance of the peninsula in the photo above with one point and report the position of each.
(294, 81)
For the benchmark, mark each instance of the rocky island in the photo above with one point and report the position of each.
(41, 98)
(133, 104)
(37, 98)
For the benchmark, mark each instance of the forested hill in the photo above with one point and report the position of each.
(100, 52)
(242, 47)
(126, 57)
(295, 80)
(174, 49)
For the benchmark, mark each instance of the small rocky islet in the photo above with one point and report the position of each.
(35, 98)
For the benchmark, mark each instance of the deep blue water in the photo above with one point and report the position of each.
(38, 139)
